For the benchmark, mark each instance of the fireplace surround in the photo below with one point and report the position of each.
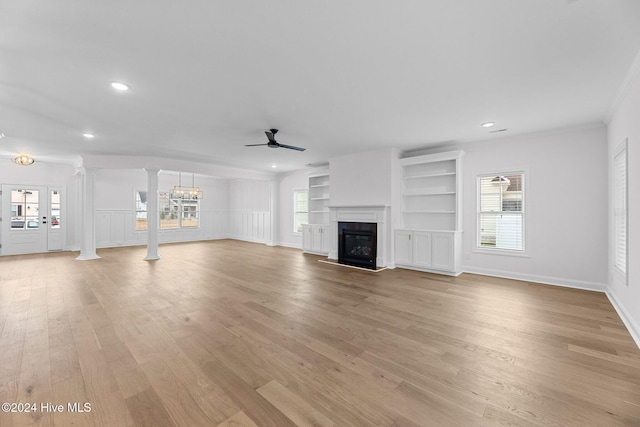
(377, 214)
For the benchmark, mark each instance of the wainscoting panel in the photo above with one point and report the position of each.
(250, 226)
(117, 228)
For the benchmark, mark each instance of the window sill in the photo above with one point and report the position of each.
(503, 252)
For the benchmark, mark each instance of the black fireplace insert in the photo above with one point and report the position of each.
(357, 244)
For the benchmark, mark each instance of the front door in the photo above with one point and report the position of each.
(31, 219)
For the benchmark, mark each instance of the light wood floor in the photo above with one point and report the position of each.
(231, 333)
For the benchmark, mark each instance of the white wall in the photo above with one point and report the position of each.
(566, 212)
(362, 179)
(625, 124)
(249, 210)
(286, 184)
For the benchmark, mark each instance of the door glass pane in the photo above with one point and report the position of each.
(55, 209)
(24, 209)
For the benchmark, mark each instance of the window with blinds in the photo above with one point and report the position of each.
(300, 209)
(501, 211)
(620, 208)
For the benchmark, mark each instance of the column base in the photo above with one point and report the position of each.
(87, 257)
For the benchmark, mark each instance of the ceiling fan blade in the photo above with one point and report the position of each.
(270, 136)
(291, 147)
(253, 145)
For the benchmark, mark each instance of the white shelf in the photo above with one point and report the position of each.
(418, 193)
(319, 189)
(429, 175)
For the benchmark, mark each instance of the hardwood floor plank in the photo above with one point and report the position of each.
(295, 408)
(245, 396)
(234, 333)
(238, 420)
(146, 410)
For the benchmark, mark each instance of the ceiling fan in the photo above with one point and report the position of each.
(273, 143)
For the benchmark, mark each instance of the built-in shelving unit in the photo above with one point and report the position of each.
(319, 198)
(430, 191)
(315, 235)
(430, 238)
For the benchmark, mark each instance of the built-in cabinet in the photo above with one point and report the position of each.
(315, 235)
(430, 238)
(315, 239)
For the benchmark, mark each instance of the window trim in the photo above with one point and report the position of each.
(525, 252)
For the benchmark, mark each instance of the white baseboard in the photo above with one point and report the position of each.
(628, 321)
(546, 280)
(289, 245)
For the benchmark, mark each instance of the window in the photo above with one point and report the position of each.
(300, 209)
(173, 212)
(25, 205)
(178, 213)
(141, 210)
(501, 211)
(55, 209)
(620, 208)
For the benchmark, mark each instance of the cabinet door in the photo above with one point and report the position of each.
(404, 249)
(325, 239)
(422, 249)
(307, 238)
(316, 238)
(442, 256)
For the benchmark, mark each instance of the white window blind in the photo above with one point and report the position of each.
(620, 208)
(501, 211)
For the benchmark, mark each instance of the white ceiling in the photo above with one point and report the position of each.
(335, 77)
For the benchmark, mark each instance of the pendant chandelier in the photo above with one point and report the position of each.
(186, 193)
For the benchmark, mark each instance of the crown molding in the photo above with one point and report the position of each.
(631, 77)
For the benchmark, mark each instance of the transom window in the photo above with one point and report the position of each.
(501, 211)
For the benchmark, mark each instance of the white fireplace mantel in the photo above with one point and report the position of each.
(378, 214)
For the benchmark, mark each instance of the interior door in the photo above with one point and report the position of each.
(29, 214)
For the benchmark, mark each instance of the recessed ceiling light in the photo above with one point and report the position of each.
(88, 135)
(488, 124)
(274, 166)
(121, 87)
(1, 135)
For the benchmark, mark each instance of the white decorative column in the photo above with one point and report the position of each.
(152, 215)
(87, 215)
